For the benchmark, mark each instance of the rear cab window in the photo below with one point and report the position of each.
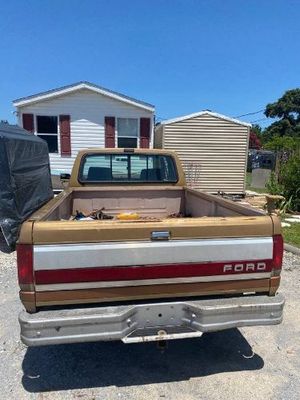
(139, 168)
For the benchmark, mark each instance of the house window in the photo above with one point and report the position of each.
(127, 130)
(47, 130)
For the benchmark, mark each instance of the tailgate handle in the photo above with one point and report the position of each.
(162, 235)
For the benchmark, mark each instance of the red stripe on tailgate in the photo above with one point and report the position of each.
(157, 271)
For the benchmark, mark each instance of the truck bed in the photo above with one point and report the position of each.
(202, 215)
(151, 202)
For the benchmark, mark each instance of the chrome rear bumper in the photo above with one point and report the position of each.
(148, 322)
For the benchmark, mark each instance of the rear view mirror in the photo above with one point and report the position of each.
(65, 177)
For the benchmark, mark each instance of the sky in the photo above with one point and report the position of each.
(229, 56)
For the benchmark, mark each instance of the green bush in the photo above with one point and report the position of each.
(288, 184)
(272, 186)
(290, 180)
(280, 143)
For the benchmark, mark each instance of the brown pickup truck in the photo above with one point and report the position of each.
(128, 252)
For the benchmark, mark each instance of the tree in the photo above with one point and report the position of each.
(287, 111)
(283, 137)
(255, 137)
(283, 143)
(254, 142)
(257, 129)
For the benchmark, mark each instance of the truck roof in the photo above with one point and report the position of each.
(125, 150)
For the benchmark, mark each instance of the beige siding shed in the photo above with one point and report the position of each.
(212, 147)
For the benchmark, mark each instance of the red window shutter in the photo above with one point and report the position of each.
(145, 124)
(110, 129)
(28, 122)
(65, 135)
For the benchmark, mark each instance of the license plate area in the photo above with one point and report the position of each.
(159, 315)
(159, 323)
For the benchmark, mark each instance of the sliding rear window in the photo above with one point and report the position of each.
(127, 168)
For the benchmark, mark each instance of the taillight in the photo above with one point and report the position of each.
(277, 251)
(25, 263)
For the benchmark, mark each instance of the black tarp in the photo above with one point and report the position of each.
(25, 179)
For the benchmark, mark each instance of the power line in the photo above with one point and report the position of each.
(251, 113)
(258, 120)
(238, 116)
(159, 118)
(265, 123)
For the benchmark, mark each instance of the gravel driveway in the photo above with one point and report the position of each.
(250, 363)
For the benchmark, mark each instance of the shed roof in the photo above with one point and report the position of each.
(200, 113)
(79, 86)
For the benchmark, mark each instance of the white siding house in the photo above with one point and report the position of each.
(84, 115)
(212, 147)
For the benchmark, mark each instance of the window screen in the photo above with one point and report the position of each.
(127, 129)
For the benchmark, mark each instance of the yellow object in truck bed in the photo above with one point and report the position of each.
(127, 216)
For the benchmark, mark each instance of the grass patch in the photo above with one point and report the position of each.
(248, 179)
(249, 187)
(291, 234)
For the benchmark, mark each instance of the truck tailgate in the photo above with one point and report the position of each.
(91, 271)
